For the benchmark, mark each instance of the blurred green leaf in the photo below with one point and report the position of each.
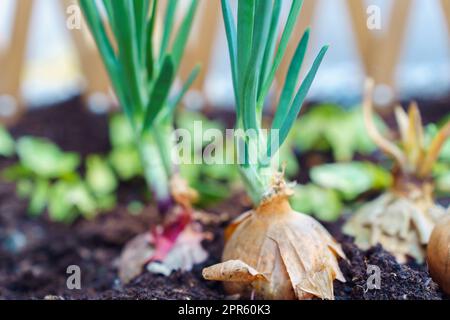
(351, 179)
(430, 132)
(443, 183)
(323, 203)
(211, 191)
(191, 121)
(106, 202)
(17, 172)
(24, 188)
(287, 156)
(330, 127)
(46, 159)
(135, 207)
(39, 197)
(190, 172)
(59, 207)
(126, 162)
(99, 176)
(120, 131)
(224, 172)
(67, 199)
(7, 144)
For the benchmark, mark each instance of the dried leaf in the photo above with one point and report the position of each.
(402, 224)
(134, 256)
(186, 252)
(232, 270)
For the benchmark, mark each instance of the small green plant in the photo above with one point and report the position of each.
(441, 170)
(351, 179)
(271, 239)
(6, 143)
(327, 127)
(338, 184)
(323, 203)
(213, 183)
(50, 179)
(143, 71)
(331, 127)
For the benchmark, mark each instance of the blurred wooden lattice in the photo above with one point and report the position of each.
(446, 11)
(12, 64)
(379, 52)
(201, 44)
(97, 84)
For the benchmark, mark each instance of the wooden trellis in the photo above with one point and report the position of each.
(200, 47)
(12, 64)
(379, 53)
(446, 10)
(201, 43)
(96, 77)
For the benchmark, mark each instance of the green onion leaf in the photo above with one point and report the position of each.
(176, 101)
(271, 42)
(150, 63)
(300, 97)
(291, 81)
(230, 28)
(251, 77)
(95, 23)
(181, 39)
(169, 21)
(128, 50)
(160, 92)
(141, 8)
(294, 12)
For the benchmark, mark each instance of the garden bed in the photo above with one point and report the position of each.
(35, 253)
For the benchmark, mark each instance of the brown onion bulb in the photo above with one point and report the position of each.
(438, 254)
(274, 252)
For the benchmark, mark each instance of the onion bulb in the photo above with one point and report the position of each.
(402, 218)
(438, 254)
(273, 252)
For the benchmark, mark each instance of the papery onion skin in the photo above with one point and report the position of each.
(401, 220)
(296, 255)
(438, 254)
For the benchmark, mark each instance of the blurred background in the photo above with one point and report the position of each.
(43, 62)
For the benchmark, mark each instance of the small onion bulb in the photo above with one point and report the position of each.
(438, 254)
(274, 252)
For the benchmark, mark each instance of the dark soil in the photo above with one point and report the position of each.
(398, 282)
(35, 253)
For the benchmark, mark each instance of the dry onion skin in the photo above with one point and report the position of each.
(176, 245)
(438, 254)
(401, 219)
(273, 252)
